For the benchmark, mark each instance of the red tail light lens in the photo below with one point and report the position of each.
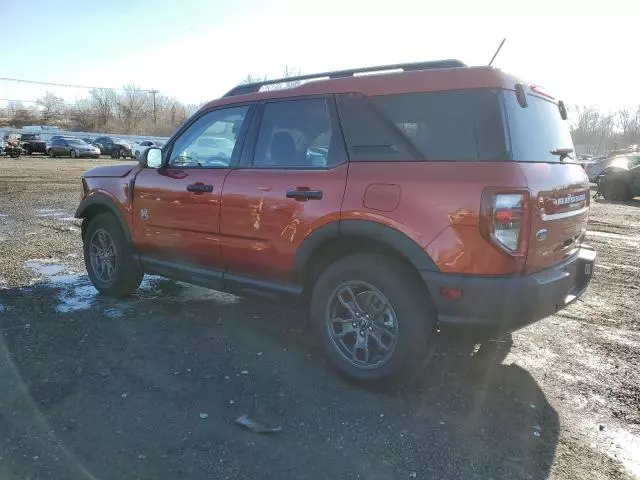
(504, 219)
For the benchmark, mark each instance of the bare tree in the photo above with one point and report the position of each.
(52, 107)
(103, 102)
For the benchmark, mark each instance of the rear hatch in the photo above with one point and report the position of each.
(559, 188)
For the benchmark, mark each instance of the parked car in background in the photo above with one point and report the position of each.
(211, 151)
(139, 147)
(621, 179)
(114, 147)
(597, 166)
(33, 143)
(72, 147)
(392, 206)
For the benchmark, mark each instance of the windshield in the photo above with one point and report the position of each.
(76, 141)
(536, 130)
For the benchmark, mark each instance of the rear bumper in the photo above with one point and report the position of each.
(509, 303)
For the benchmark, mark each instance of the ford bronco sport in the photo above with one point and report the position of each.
(393, 204)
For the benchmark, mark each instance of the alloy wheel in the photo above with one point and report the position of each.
(103, 255)
(362, 324)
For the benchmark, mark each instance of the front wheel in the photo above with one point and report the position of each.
(108, 257)
(50, 153)
(73, 154)
(374, 317)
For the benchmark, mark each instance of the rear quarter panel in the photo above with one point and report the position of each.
(438, 208)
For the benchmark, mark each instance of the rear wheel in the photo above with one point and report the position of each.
(374, 318)
(616, 190)
(108, 257)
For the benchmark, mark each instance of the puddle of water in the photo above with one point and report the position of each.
(77, 292)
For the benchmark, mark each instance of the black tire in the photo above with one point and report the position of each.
(51, 154)
(15, 154)
(408, 298)
(616, 190)
(127, 276)
(73, 154)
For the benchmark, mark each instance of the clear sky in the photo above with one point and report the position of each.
(196, 50)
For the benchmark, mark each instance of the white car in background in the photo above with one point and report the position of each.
(139, 147)
(211, 151)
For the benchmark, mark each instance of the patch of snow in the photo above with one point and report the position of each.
(114, 313)
(44, 268)
(76, 291)
(625, 446)
(80, 297)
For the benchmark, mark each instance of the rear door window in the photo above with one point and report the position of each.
(464, 125)
(297, 134)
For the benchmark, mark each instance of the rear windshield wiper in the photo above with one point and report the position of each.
(563, 152)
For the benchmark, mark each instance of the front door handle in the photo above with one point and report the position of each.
(200, 188)
(303, 195)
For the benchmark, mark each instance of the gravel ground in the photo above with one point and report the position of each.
(149, 387)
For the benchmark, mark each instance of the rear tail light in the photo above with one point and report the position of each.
(504, 219)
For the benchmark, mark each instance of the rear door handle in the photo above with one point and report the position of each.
(200, 188)
(302, 195)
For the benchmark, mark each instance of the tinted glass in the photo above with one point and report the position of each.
(295, 133)
(439, 125)
(210, 140)
(464, 125)
(536, 130)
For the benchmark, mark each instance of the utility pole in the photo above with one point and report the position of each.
(153, 92)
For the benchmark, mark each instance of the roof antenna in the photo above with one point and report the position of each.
(497, 51)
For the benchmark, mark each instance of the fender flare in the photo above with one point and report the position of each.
(103, 201)
(363, 228)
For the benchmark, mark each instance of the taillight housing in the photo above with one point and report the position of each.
(505, 219)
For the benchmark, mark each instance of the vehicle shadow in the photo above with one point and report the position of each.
(154, 394)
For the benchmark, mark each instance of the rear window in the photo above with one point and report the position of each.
(536, 130)
(463, 125)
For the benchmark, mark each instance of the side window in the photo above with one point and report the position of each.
(439, 124)
(296, 134)
(210, 140)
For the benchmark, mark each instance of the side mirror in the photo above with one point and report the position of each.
(151, 158)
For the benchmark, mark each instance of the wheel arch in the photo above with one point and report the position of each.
(338, 239)
(97, 204)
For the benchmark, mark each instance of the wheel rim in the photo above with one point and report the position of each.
(362, 324)
(103, 255)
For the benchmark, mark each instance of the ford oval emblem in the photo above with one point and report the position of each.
(541, 235)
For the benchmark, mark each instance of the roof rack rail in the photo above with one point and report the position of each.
(255, 87)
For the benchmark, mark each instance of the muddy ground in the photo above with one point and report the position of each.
(149, 387)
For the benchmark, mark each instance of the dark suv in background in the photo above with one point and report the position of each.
(114, 147)
(32, 143)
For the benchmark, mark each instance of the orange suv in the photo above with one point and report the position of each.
(392, 204)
